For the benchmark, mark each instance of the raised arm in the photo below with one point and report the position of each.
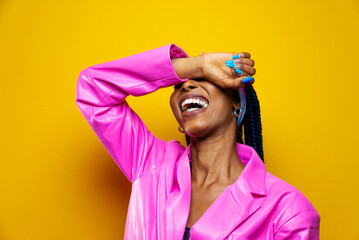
(101, 93)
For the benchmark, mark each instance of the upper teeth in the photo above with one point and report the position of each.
(199, 101)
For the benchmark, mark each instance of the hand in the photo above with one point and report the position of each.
(215, 70)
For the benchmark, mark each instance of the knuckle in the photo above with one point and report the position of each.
(247, 54)
(253, 71)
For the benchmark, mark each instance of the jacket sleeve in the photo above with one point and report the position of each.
(303, 226)
(100, 96)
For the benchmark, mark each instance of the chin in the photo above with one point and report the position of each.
(197, 131)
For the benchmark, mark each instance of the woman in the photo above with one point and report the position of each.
(217, 188)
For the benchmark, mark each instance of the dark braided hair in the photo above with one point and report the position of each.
(251, 123)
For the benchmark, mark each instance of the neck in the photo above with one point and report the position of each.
(215, 160)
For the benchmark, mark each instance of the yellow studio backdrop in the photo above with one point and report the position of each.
(56, 179)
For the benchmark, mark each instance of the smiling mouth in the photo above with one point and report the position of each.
(192, 104)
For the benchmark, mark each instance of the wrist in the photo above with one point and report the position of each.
(188, 68)
(197, 65)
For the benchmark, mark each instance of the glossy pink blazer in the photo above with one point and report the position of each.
(257, 206)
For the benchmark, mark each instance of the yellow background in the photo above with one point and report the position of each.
(56, 179)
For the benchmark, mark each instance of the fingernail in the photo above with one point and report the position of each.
(235, 57)
(247, 80)
(231, 65)
(230, 61)
(239, 71)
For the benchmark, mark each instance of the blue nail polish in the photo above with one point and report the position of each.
(231, 65)
(239, 71)
(230, 61)
(235, 57)
(247, 80)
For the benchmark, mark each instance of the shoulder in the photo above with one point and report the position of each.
(291, 206)
(175, 145)
(174, 150)
(288, 194)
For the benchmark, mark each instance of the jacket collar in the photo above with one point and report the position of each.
(235, 204)
(253, 175)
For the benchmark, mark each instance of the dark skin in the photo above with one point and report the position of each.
(215, 161)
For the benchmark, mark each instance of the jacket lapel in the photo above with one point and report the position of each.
(178, 196)
(228, 211)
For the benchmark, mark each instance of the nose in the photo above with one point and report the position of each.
(189, 84)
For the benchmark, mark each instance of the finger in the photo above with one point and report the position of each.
(246, 68)
(241, 55)
(244, 81)
(237, 82)
(241, 69)
(246, 61)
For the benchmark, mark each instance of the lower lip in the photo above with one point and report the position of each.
(193, 113)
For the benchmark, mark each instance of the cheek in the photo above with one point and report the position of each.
(222, 113)
(222, 110)
(173, 104)
(222, 101)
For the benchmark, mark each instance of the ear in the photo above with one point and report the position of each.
(236, 105)
(235, 99)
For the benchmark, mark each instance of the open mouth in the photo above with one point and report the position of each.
(193, 103)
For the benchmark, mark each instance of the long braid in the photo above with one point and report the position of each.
(251, 124)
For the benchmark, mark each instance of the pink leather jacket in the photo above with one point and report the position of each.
(257, 206)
